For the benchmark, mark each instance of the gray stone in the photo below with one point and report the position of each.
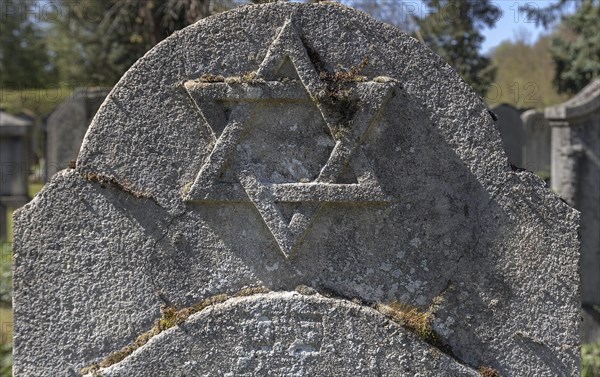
(536, 148)
(67, 125)
(287, 334)
(511, 130)
(15, 136)
(576, 177)
(290, 145)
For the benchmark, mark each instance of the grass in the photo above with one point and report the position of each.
(590, 359)
(34, 188)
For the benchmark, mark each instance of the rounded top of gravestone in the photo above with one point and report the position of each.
(11, 125)
(171, 106)
(8, 120)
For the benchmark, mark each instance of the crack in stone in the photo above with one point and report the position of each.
(110, 181)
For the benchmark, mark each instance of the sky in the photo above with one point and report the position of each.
(512, 23)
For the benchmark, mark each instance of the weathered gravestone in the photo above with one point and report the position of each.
(511, 131)
(536, 144)
(15, 139)
(576, 177)
(67, 125)
(304, 190)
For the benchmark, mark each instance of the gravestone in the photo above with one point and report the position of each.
(536, 148)
(15, 136)
(295, 189)
(67, 125)
(576, 177)
(511, 131)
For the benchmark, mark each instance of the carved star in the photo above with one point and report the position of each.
(348, 108)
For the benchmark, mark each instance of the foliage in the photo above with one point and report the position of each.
(98, 40)
(5, 279)
(24, 58)
(453, 31)
(523, 75)
(590, 359)
(6, 359)
(575, 46)
(577, 59)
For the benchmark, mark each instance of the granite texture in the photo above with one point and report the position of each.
(293, 144)
(287, 334)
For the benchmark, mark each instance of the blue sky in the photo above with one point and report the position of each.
(510, 24)
(513, 22)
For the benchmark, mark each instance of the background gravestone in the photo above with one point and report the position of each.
(15, 135)
(239, 154)
(576, 177)
(67, 125)
(511, 130)
(536, 147)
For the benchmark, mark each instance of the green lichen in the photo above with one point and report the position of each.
(187, 188)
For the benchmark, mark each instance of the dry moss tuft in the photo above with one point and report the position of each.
(342, 75)
(417, 321)
(211, 78)
(489, 372)
(170, 317)
(411, 318)
(251, 291)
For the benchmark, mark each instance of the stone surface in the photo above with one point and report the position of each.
(15, 139)
(576, 177)
(67, 126)
(294, 144)
(287, 334)
(536, 148)
(512, 132)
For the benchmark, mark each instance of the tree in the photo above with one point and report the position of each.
(524, 74)
(24, 59)
(453, 31)
(575, 45)
(100, 39)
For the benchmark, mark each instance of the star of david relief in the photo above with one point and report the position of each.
(287, 76)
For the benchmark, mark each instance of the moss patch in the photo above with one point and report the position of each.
(170, 317)
(417, 321)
